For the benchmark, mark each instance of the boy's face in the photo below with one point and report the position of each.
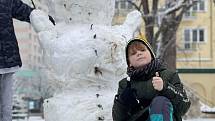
(138, 54)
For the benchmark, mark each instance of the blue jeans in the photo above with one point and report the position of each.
(6, 93)
(161, 109)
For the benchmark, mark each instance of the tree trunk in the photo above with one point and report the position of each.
(170, 53)
(167, 49)
(149, 30)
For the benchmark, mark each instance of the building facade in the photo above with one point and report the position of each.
(196, 50)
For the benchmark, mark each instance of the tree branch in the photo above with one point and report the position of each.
(185, 9)
(145, 6)
(154, 7)
(132, 3)
(175, 8)
(179, 5)
(157, 34)
(141, 3)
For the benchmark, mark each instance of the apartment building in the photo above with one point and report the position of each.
(196, 50)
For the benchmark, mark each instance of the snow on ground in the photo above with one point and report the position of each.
(40, 119)
(200, 119)
(206, 108)
(33, 118)
(36, 119)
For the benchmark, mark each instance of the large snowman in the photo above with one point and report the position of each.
(85, 54)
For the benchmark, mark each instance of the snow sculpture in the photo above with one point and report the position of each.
(85, 54)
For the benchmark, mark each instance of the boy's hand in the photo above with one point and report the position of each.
(157, 82)
(128, 96)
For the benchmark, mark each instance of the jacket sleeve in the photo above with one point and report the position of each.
(173, 89)
(21, 11)
(120, 111)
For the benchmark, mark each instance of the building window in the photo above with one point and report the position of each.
(123, 4)
(202, 5)
(117, 4)
(197, 7)
(195, 35)
(30, 57)
(130, 6)
(190, 14)
(30, 36)
(192, 37)
(201, 35)
(187, 39)
(35, 47)
(39, 60)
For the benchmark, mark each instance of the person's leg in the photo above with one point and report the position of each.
(1, 97)
(161, 109)
(6, 96)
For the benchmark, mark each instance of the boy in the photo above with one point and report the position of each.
(151, 92)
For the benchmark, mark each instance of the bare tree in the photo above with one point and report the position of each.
(167, 20)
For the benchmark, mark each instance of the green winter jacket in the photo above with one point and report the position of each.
(173, 90)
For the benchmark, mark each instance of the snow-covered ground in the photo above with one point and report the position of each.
(206, 108)
(200, 119)
(34, 118)
(40, 119)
